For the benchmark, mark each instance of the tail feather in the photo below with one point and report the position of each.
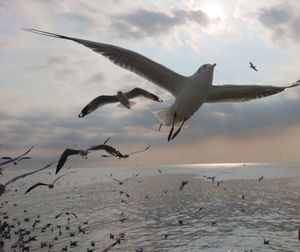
(163, 115)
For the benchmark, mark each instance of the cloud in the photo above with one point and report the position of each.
(148, 23)
(283, 20)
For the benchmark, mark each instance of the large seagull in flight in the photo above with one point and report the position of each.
(190, 92)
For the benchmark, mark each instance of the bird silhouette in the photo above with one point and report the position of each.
(121, 97)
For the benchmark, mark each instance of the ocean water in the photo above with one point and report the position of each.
(269, 210)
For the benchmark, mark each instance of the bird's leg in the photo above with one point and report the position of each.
(172, 128)
(176, 133)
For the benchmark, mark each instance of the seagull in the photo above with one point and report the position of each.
(50, 186)
(66, 213)
(190, 92)
(3, 186)
(121, 97)
(260, 178)
(212, 178)
(16, 161)
(252, 66)
(69, 152)
(10, 160)
(219, 182)
(183, 183)
(122, 182)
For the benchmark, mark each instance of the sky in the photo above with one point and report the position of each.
(45, 82)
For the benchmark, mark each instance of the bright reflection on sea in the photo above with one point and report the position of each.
(270, 209)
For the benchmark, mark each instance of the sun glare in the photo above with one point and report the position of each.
(213, 10)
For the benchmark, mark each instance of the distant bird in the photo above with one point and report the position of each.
(166, 236)
(212, 178)
(50, 186)
(123, 219)
(266, 242)
(219, 182)
(214, 223)
(252, 66)
(120, 181)
(180, 222)
(3, 186)
(260, 178)
(17, 158)
(122, 98)
(120, 237)
(190, 92)
(159, 127)
(183, 183)
(69, 152)
(66, 213)
(16, 161)
(159, 170)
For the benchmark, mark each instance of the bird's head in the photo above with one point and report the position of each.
(207, 68)
(206, 71)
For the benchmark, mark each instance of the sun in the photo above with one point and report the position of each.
(213, 10)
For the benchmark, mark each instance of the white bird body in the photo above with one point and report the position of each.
(191, 97)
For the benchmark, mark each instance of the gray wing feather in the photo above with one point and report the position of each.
(34, 186)
(132, 61)
(242, 93)
(141, 92)
(63, 158)
(96, 103)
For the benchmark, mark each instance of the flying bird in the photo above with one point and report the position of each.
(121, 182)
(190, 92)
(69, 152)
(50, 186)
(10, 160)
(66, 213)
(16, 160)
(260, 178)
(3, 186)
(183, 184)
(122, 98)
(252, 66)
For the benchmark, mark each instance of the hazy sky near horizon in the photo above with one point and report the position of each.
(45, 82)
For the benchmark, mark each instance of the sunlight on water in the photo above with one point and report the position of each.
(244, 210)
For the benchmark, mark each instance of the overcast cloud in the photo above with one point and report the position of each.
(45, 82)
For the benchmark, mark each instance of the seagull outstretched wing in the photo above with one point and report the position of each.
(96, 103)
(142, 92)
(148, 147)
(132, 61)
(242, 93)
(34, 186)
(63, 158)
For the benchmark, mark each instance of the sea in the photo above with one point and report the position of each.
(143, 209)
